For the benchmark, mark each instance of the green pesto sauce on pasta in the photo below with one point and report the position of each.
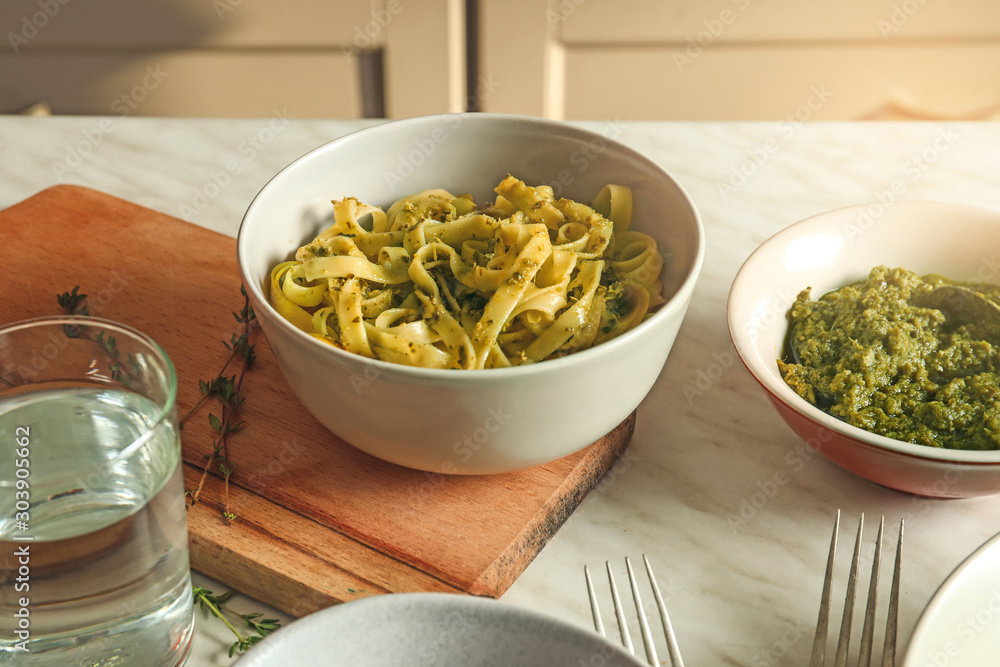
(439, 281)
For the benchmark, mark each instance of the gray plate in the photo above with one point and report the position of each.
(432, 629)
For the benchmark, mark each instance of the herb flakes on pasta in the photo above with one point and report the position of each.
(437, 281)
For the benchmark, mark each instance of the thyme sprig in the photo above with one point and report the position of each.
(216, 605)
(74, 304)
(226, 389)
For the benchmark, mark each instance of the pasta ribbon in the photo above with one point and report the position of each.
(439, 282)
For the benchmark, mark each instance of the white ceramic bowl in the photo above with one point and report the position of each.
(469, 422)
(831, 250)
(432, 630)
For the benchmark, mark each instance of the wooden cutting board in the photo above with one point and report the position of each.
(318, 522)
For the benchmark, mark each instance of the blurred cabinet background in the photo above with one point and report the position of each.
(573, 59)
(233, 58)
(749, 59)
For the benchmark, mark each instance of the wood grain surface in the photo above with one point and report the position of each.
(318, 522)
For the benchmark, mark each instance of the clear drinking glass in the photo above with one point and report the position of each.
(93, 536)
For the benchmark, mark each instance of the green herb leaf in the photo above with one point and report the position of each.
(215, 604)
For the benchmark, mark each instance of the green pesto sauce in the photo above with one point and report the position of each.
(870, 355)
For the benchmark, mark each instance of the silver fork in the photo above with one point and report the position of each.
(647, 636)
(867, 633)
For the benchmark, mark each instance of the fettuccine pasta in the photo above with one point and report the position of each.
(439, 282)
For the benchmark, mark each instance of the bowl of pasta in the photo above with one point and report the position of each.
(471, 293)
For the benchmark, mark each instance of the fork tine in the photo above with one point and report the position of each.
(871, 608)
(865, 655)
(647, 636)
(668, 628)
(619, 612)
(852, 585)
(889, 649)
(595, 610)
(823, 622)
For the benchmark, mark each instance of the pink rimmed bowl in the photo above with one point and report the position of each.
(834, 249)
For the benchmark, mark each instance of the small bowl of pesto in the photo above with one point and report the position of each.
(877, 339)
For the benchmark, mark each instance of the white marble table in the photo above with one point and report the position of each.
(740, 557)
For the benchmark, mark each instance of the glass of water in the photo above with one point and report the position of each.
(93, 537)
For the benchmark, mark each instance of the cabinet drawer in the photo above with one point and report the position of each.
(638, 21)
(200, 83)
(113, 24)
(768, 83)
